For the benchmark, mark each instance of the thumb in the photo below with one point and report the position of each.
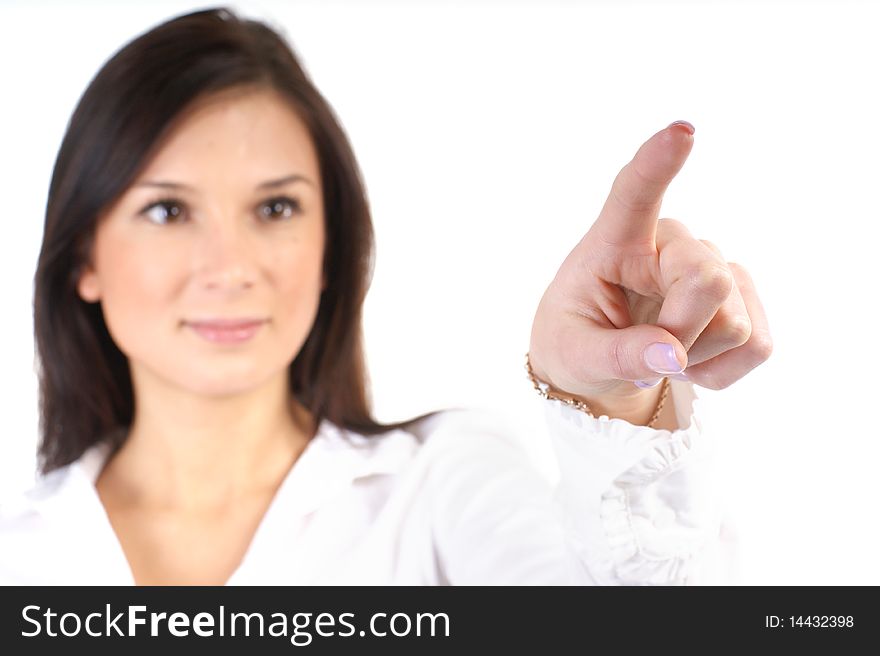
(636, 353)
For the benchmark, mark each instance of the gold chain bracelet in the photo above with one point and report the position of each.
(544, 390)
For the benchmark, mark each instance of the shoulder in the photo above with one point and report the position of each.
(18, 506)
(469, 444)
(440, 440)
(33, 526)
(466, 431)
(474, 421)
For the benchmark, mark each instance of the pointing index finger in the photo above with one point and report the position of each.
(633, 206)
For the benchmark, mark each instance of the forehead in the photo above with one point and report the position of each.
(254, 132)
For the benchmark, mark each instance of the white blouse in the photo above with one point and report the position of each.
(455, 500)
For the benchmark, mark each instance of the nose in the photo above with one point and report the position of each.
(227, 259)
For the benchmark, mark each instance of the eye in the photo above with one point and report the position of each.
(163, 211)
(282, 207)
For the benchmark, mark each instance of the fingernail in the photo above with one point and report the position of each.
(648, 384)
(660, 357)
(690, 128)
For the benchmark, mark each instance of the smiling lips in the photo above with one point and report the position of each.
(227, 331)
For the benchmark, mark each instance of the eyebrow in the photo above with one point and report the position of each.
(269, 184)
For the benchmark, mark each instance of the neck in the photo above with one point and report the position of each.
(187, 451)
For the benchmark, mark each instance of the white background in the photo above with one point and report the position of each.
(489, 134)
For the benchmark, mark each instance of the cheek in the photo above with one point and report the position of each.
(136, 297)
(298, 281)
(297, 272)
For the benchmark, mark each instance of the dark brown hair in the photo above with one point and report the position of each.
(85, 386)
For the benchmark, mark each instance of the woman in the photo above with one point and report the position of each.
(204, 416)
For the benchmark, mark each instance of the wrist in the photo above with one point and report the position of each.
(638, 409)
(617, 400)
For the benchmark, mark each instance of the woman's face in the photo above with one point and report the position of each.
(225, 224)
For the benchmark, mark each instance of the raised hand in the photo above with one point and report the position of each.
(639, 298)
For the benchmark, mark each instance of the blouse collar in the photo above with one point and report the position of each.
(331, 460)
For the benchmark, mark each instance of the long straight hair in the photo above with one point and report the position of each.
(86, 393)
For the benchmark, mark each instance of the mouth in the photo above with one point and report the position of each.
(226, 331)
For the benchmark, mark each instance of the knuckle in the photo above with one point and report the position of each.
(740, 330)
(674, 231)
(762, 344)
(712, 382)
(712, 247)
(714, 278)
(740, 274)
(672, 224)
(705, 379)
(646, 180)
(630, 201)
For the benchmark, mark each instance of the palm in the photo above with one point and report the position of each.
(642, 309)
(620, 277)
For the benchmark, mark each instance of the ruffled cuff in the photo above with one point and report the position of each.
(638, 502)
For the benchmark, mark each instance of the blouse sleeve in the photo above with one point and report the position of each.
(639, 504)
(631, 505)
